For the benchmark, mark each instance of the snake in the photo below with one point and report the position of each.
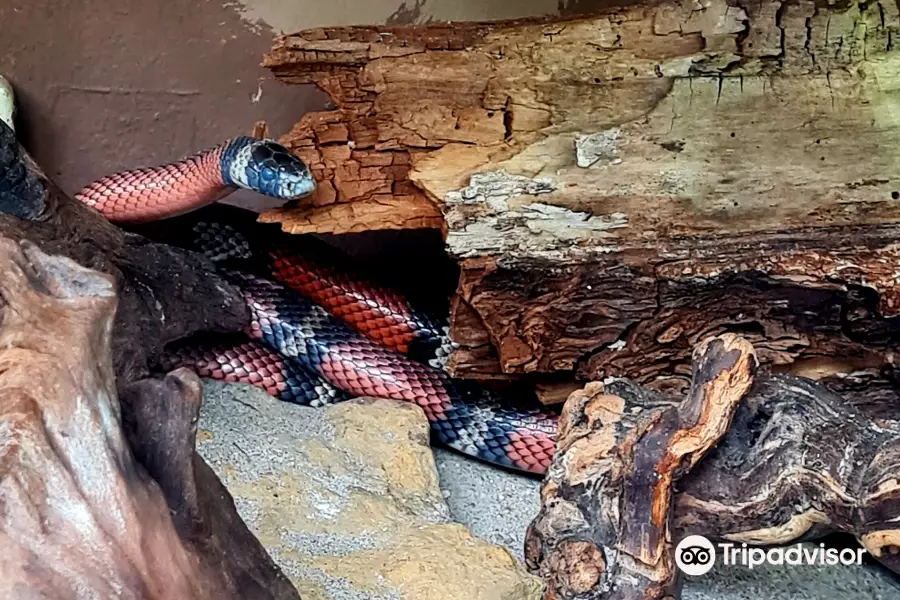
(321, 331)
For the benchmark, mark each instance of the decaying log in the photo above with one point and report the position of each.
(797, 462)
(164, 294)
(620, 186)
(81, 518)
(604, 528)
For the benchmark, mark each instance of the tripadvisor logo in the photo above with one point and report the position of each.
(695, 555)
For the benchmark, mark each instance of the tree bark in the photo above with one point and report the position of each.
(164, 293)
(796, 463)
(618, 187)
(81, 518)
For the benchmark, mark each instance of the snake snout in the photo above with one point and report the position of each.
(267, 167)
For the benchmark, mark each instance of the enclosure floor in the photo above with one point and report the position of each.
(498, 506)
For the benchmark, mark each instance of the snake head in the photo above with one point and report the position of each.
(266, 167)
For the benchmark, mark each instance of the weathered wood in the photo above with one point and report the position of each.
(384, 212)
(605, 180)
(164, 293)
(175, 533)
(603, 531)
(798, 462)
(81, 518)
(160, 419)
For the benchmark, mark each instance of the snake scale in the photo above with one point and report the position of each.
(321, 331)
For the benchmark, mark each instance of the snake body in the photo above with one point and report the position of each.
(317, 271)
(247, 361)
(320, 332)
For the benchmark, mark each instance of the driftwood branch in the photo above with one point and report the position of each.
(620, 186)
(164, 293)
(797, 462)
(81, 517)
(604, 528)
(161, 428)
(800, 462)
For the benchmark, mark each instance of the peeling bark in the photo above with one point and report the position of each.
(596, 176)
(362, 185)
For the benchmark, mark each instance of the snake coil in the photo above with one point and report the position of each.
(320, 332)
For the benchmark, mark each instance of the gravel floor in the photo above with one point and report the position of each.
(498, 506)
(495, 505)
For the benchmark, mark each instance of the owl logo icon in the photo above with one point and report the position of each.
(695, 555)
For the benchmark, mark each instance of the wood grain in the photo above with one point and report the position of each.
(603, 180)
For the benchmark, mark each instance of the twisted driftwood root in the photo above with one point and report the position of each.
(79, 516)
(798, 462)
(169, 533)
(164, 293)
(603, 531)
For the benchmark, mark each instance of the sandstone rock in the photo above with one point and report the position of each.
(346, 500)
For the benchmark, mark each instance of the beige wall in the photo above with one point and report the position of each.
(110, 85)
